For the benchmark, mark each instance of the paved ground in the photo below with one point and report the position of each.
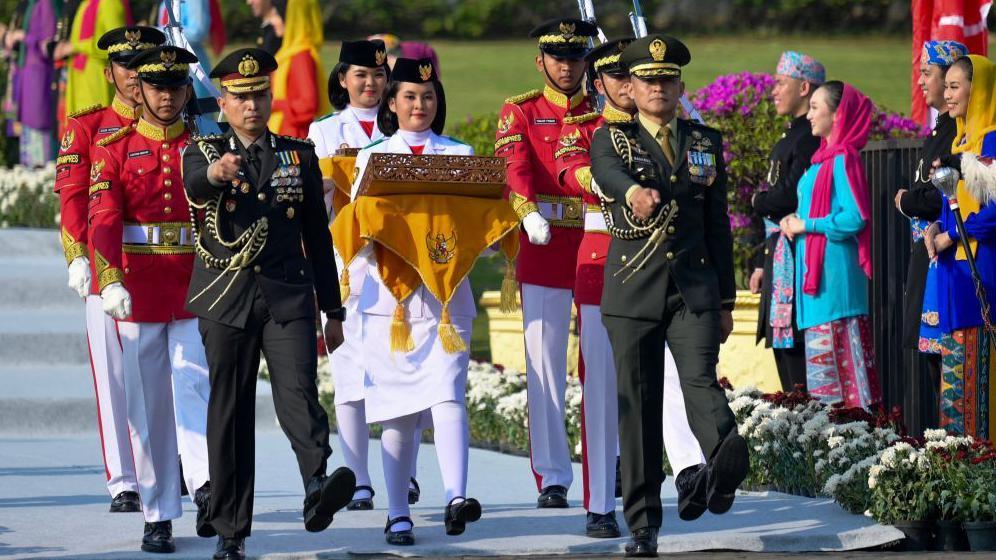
(52, 504)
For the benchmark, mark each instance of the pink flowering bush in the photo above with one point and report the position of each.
(740, 106)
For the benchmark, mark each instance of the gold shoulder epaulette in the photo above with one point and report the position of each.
(305, 141)
(207, 138)
(121, 133)
(581, 118)
(86, 110)
(531, 94)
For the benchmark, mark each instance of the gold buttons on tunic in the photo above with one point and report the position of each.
(261, 197)
(623, 258)
(165, 145)
(674, 178)
(167, 170)
(669, 256)
(670, 229)
(168, 183)
(257, 269)
(168, 196)
(165, 157)
(167, 210)
(594, 255)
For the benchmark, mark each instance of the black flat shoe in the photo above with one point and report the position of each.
(126, 502)
(362, 504)
(458, 515)
(414, 492)
(230, 549)
(727, 471)
(642, 544)
(552, 497)
(601, 525)
(327, 495)
(158, 537)
(399, 538)
(202, 498)
(692, 484)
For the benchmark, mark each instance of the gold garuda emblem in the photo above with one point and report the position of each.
(249, 66)
(425, 72)
(380, 57)
(67, 140)
(657, 50)
(442, 249)
(505, 124)
(95, 170)
(133, 37)
(567, 30)
(568, 140)
(168, 58)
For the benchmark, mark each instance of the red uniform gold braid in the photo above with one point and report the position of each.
(140, 222)
(528, 137)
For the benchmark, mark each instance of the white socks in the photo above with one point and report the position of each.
(452, 438)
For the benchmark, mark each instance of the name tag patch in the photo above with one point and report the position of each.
(140, 153)
(545, 121)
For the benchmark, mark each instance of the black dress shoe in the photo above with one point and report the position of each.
(601, 525)
(230, 549)
(414, 492)
(202, 498)
(618, 478)
(692, 484)
(552, 497)
(458, 515)
(158, 537)
(642, 544)
(727, 471)
(399, 538)
(327, 495)
(362, 504)
(126, 502)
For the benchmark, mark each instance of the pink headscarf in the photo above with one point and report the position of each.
(849, 135)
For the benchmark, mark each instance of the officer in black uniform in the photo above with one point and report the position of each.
(668, 278)
(254, 289)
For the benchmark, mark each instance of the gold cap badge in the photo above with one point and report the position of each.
(133, 37)
(249, 66)
(657, 50)
(168, 58)
(567, 30)
(425, 72)
(380, 57)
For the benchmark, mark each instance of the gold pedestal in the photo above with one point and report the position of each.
(740, 360)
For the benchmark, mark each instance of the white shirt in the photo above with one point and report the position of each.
(343, 130)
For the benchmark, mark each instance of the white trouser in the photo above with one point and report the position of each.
(599, 413)
(682, 448)
(167, 388)
(112, 408)
(546, 317)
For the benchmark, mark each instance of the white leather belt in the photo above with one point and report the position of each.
(168, 234)
(561, 211)
(594, 220)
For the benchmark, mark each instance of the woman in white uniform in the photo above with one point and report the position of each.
(401, 386)
(355, 87)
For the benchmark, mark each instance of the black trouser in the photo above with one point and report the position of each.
(791, 364)
(291, 351)
(638, 347)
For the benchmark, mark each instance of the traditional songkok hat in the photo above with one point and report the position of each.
(801, 67)
(654, 56)
(605, 57)
(943, 53)
(166, 66)
(564, 37)
(416, 71)
(123, 43)
(245, 70)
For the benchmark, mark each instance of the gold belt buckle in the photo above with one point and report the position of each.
(572, 209)
(169, 234)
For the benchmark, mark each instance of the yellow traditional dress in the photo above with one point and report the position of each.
(86, 85)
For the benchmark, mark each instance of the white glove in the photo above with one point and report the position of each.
(117, 301)
(79, 276)
(537, 228)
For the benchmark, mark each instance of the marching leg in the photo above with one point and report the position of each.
(546, 315)
(354, 441)
(396, 452)
(452, 437)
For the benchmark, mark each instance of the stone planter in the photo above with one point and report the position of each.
(981, 535)
(919, 535)
(949, 536)
(740, 360)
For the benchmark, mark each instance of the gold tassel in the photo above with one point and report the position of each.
(401, 331)
(452, 341)
(509, 290)
(344, 285)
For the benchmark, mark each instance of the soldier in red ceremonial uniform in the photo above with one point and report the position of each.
(599, 412)
(84, 129)
(528, 131)
(143, 252)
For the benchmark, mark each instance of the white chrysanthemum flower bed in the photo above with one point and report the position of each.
(27, 197)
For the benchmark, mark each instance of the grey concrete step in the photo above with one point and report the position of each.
(52, 337)
(35, 283)
(30, 242)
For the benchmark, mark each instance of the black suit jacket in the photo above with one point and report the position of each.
(297, 260)
(698, 255)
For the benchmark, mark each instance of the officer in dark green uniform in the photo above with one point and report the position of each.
(668, 278)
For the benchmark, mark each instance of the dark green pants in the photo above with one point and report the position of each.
(638, 347)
